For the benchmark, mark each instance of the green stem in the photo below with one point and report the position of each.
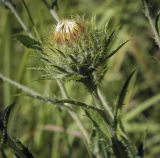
(72, 113)
(104, 103)
(32, 21)
(99, 96)
(14, 11)
(99, 100)
(75, 116)
(99, 103)
(7, 62)
(151, 22)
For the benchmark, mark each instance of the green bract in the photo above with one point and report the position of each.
(82, 59)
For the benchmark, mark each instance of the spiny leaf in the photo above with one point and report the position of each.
(4, 122)
(99, 124)
(29, 42)
(23, 150)
(102, 59)
(51, 77)
(61, 69)
(76, 103)
(97, 57)
(105, 69)
(124, 91)
(121, 99)
(116, 50)
(61, 53)
(20, 150)
(74, 63)
(120, 150)
(5, 115)
(73, 59)
(109, 40)
(46, 60)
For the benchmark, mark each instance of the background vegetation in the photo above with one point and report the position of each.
(52, 133)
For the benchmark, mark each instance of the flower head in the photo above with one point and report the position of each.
(82, 60)
(67, 31)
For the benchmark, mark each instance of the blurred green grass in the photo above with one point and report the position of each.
(30, 117)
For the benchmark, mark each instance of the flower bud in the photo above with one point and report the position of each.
(67, 31)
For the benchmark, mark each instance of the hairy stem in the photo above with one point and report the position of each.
(72, 113)
(104, 103)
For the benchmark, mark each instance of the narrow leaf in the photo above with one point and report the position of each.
(99, 124)
(105, 69)
(119, 148)
(124, 91)
(29, 42)
(5, 115)
(61, 53)
(23, 150)
(52, 77)
(81, 104)
(61, 69)
(109, 40)
(121, 99)
(116, 50)
(74, 60)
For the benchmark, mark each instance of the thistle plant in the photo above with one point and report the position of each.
(80, 52)
(77, 50)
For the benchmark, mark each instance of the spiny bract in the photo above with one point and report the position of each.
(78, 60)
